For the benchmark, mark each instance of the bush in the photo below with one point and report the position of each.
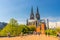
(14, 29)
(10, 28)
(51, 32)
(32, 28)
(22, 28)
(58, 29)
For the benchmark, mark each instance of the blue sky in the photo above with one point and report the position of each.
(20, 9)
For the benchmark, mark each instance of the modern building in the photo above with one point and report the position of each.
(35, 20)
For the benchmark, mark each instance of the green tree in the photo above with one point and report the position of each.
(32, 27)
(23, 28)
(51, 32)
(58, 29)
(10, 28)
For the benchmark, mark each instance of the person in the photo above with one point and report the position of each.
(8, 34)
(21, 34)
(58, 34)
(34, 32)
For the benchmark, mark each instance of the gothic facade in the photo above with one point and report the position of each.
(35, 20)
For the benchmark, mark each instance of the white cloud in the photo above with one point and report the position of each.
(53, 19)
(54, 24)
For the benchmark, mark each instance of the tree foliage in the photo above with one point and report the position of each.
(10, 28)
(58, 29)
(51, 32)
(15, 29)
(32, 27)
(22, 28)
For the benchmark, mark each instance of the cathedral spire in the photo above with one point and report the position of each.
(32, 14)
(37, 14)
(37, 10)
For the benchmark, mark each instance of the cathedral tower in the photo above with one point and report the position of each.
(32, 14)
(37, 14)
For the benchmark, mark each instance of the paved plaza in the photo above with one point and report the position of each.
(30, 37)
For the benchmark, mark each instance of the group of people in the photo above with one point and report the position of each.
(58, 34)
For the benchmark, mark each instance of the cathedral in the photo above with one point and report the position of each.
(35, 20)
